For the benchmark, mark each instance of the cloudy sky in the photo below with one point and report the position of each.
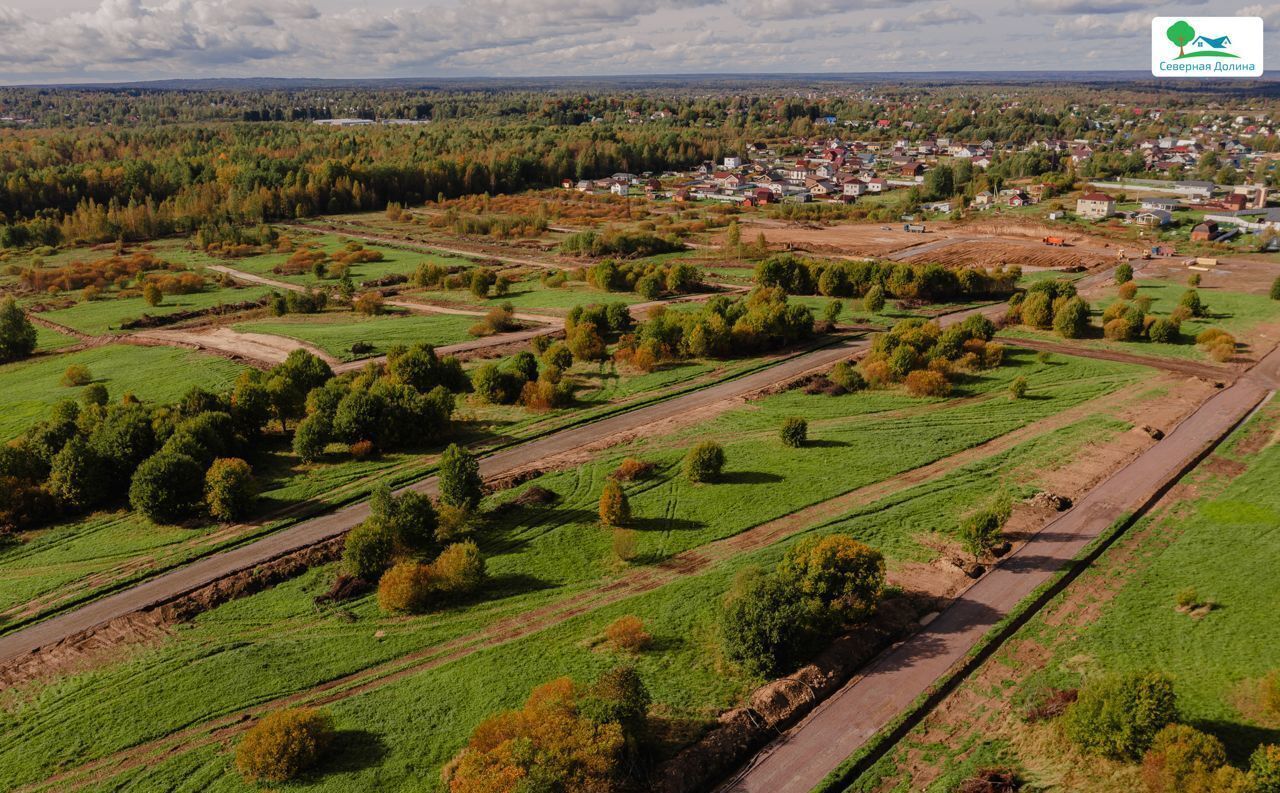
(96, 40)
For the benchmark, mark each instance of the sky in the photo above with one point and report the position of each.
(44, 41)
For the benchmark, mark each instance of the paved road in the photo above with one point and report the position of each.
(800, 758)
(310, 532)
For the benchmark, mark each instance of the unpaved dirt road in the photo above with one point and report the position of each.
(804, 755)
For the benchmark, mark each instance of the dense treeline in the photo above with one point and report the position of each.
(929, 282)
(95, 185)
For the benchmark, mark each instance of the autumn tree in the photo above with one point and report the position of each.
(615, 509)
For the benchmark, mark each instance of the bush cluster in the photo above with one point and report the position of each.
(407, 403)
(648, 279)
(618, 242)
(566, 737)
(721, 328)
(921, 354)
(770, 621)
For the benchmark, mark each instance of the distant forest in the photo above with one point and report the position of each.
(95, 165)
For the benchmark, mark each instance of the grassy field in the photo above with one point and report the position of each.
(159, 374)
(278, 642)
(98, 317)
(48, 340)
(395, 261)
(336, 331)
(530, 295)
(1120, 616)
(1235, 312)
(79, 557)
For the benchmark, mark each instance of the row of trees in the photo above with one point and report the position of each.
(903, 280)
(650, 280)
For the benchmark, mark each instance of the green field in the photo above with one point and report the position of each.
(76, 558)
(1224, 544)
(336, 331)
(1235, 312)
(530, 295)
(98, 317)
(395, 261)
(277, 642)
(157, 374)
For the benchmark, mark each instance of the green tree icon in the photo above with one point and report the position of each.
(1180, 33)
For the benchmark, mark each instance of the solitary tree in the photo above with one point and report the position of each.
(615, 510)
(152, 294)
(1181, 34)
(18, 335)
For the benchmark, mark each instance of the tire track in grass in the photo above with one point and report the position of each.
(521, 625)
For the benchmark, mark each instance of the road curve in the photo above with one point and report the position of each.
(802, 757)
(212, 568)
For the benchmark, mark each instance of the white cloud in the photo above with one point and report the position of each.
(1101, 26)
(942, 15)
(1092, 6)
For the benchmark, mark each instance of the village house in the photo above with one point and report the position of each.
(1166, 204)
(1153, 217)
(1203, 232)
(983, 200)
(1095, 206)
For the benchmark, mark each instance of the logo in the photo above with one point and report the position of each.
(1206, 47)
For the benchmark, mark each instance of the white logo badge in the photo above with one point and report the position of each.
(1206, 47)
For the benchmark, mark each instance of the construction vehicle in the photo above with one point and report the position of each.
(914, 228)
(1057, 242)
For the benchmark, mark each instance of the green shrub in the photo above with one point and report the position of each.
(1191, 301)
(873, 300)
(367, 551)
(1018, 387)
(1275, 288)
(229, 488)
(1163, 331)
(704, 462)
(1118, 716)
(767, 626)
(847, 376)
(17, 334)
(1071, 320)
(795, 431)
(1264, 769)
(459, 569)
(1037, 310)
(76, 375)
(310, 438)
(1124, 273)
(460, 482)
(842, 573)
(167, 486)
(1181, 758)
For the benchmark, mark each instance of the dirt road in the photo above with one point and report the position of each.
(217, 566)
(803, 756)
